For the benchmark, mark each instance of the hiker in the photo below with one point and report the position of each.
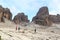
(35, 30)
(18, 28)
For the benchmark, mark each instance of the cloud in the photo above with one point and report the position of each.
(31, 7)
(54, 6)
(14, 10)
(27, 6)
(52, 13)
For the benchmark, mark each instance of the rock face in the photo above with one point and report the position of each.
(55, 18)
(5, 12)
(42, 17)
(43, 11)
(1, 14)
(20, 17)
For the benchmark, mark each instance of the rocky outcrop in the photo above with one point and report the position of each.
(20, 17)
(55, 18)
(5, 12)
(1, 14)
(42, 17)
(43, 11)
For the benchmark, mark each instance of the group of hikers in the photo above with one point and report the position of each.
(18, 28)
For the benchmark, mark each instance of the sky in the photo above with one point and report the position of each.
(31, 7)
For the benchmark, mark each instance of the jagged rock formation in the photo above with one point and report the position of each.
(5, 12)
(43, 11)
(20, 17)
(1, 14)
(55, 18)
(42, 17)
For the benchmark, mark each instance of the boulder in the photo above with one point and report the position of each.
(20, 17)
